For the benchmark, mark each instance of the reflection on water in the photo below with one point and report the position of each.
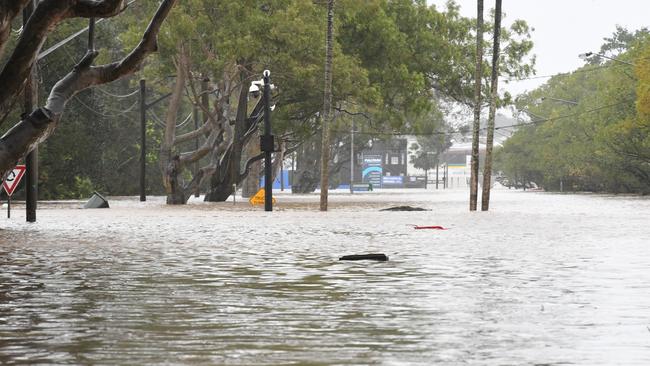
(542, 279)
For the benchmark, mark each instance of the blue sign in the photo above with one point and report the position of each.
(393, 180)
(372, 170)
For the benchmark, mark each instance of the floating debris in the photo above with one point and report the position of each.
(404, 208)
(359, 257)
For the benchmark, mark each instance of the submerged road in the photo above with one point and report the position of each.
(540, 279)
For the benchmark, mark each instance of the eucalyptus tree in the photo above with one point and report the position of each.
(229, 43)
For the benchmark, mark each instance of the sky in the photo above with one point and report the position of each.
(563, 28)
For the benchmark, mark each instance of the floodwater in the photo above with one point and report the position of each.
(542, 279)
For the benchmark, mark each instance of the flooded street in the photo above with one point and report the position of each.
(542, 278)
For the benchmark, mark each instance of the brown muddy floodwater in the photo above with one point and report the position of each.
(542, 279)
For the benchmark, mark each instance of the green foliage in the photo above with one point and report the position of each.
(601, 143)
(393, 61)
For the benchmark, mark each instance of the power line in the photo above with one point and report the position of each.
(160, 122)
(595, 68)
(119, 96)
(43, 54)
(119, 113)
(539, 121)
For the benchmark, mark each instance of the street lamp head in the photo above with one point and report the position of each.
(254, 90)
(585, 55)
(267, 73)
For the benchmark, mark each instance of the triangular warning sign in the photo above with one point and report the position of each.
(13, 178)
(258, 198)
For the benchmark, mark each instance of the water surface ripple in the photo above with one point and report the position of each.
(542, 279)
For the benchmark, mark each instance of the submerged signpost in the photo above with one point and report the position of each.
(11, 182)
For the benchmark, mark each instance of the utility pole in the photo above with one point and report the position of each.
(31, 160)
(352, 159)
(426, 178)
(195, 116)
(487, 170)
(437, 164)
(478, 75)
(143, 139)
(143, 134)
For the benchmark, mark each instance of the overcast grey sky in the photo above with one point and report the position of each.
(564, 28)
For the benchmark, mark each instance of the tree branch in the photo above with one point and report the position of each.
(47, 15)
(9, 10)
(37, 126)
(97, 8)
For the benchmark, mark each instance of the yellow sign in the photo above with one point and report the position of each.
(258, 198)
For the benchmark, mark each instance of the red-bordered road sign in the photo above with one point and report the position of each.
(13, 178)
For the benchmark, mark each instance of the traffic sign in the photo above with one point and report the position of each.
(13, 178)
(258, 198)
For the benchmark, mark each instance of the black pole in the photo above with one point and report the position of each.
(437, 175)
(143, 140)
(446, 176)
(31, 160)
(196, 146)
(267, 144)
(426, 178)
(91, 34)
(9, 207)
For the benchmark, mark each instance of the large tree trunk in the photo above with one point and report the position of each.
(228, 174)
(327, 108)
(487, 171)
(478, 75)
(39, 125)
(170, 163)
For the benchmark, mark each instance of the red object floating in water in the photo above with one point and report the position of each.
(429, 227)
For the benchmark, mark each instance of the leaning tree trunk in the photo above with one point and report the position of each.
(37, 126)
(228, 173)
(478, 75)
(487, 171)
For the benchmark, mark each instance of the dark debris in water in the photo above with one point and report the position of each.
(404, 208)
(359, 257)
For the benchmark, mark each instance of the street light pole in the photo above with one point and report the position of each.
(560, 100)
(586, 55)
(267, 144)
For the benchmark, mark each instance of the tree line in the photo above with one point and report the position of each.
(587, 130)
(396, 64)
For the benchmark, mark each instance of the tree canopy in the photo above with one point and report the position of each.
(588, 130)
